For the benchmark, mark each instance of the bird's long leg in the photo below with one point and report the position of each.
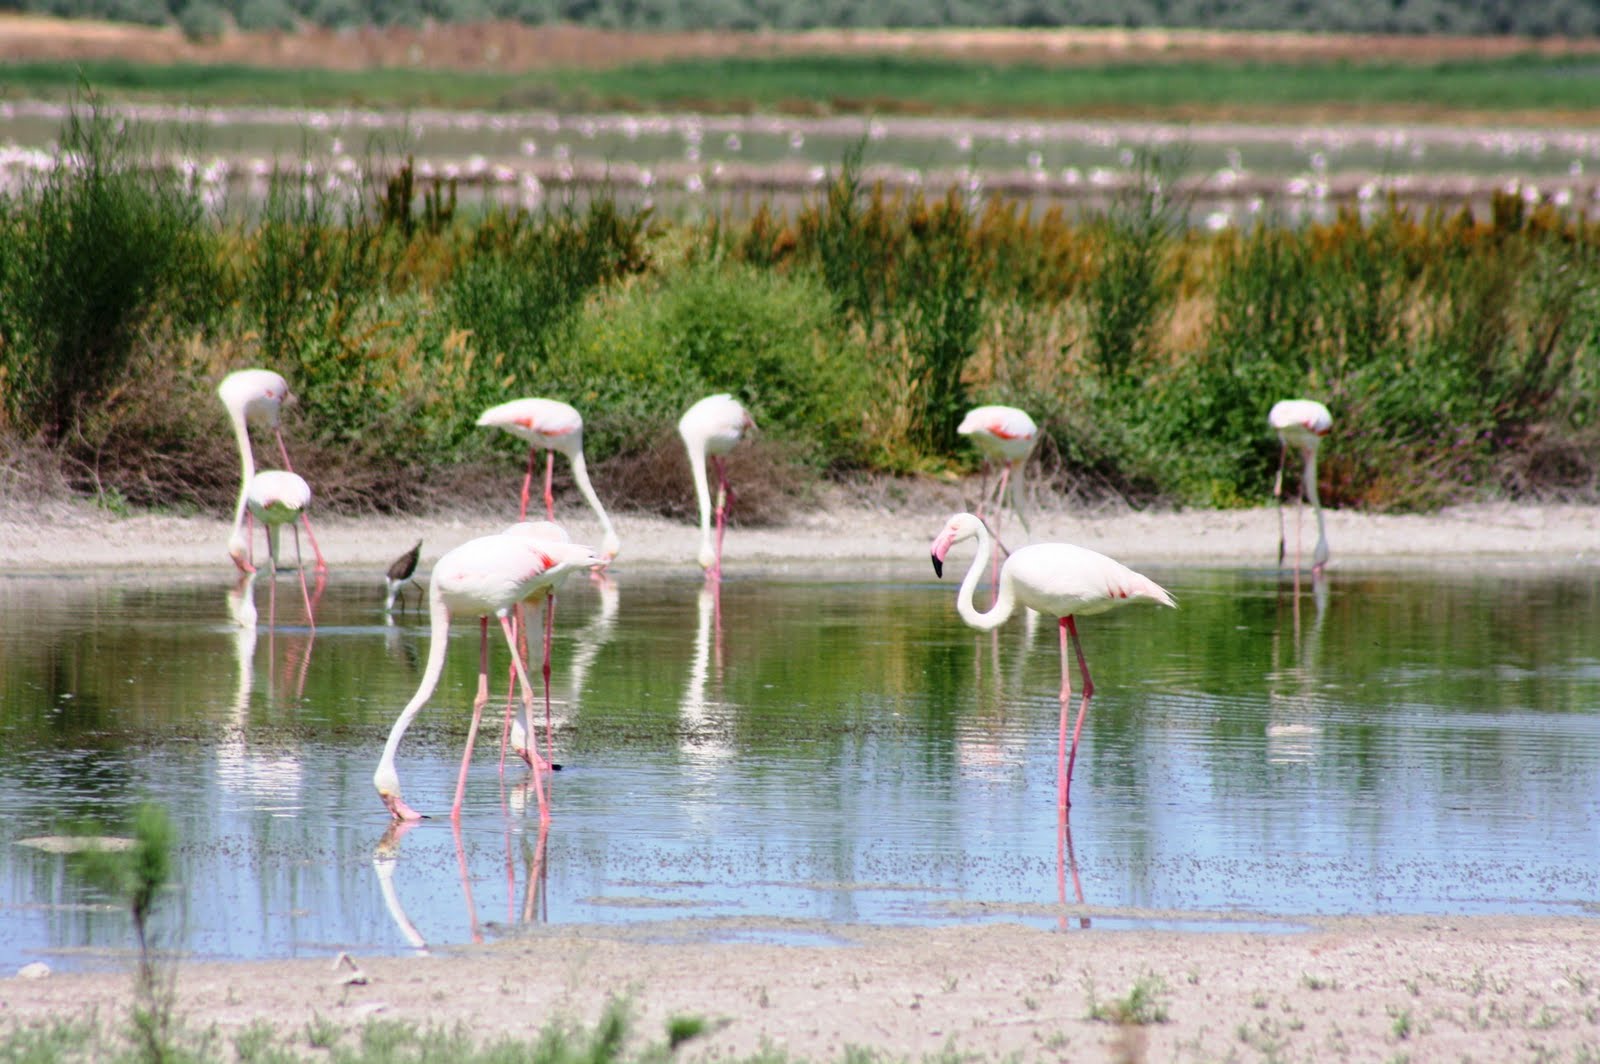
(477, 715)
(527, 712)
(983, 488)
(1277, 493)
(1065, 762)
(549, 479)
(527, 482)
(511, 690)
(724, 497)
(1299, 510)
(300, 566)
(549, 627)
(305, 519)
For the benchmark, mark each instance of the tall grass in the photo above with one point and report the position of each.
(90, 254)
(1459, 355)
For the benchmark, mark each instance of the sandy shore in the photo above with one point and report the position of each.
(1446, 988)
(840, 532)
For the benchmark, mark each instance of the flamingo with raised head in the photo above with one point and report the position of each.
(481, 578)
(1301, 423)
(1005, 436)
(554, 426)
(1058, 579)
(711, 429)
(254, 397)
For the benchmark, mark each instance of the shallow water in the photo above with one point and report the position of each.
(1386, 742)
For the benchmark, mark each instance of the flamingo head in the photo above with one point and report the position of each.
(388, 783)
(239, 551)
(610, 547)
(960, 526)
(708, 557)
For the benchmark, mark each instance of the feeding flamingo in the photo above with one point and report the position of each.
(1005, 436)
(482, 577)
(1301, 423)
(711, 428)
(1058, 579)
(555, 426)
(254, 396)
(513, 735)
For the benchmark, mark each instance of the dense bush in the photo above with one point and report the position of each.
(1460, 356)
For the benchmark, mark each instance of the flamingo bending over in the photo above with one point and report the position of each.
(711, 428)
(1301, 423)
(275, 497)
(482, 577)
(254, 396)
(1058, 579)
(1005, 436)
(555, 426)
(513, 734)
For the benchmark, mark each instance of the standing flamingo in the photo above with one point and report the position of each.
(1301, 423)
(1005, 436)
(711, 428)
(275, 497)
(1058, 579)
(484, 576)
(555, 426)
(254, 396)
(513, 735)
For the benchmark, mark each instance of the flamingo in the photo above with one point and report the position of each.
(482, 577)
(555, 426)
(711, 428)
(1301, 423)
(254, 396)
(400, 573)
(1005, 436)
(275, 497)
(1058, 579)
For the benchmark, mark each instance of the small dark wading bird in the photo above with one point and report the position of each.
(1059, 580)
(1301, 423)
(401, 572)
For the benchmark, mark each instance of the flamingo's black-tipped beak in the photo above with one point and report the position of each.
(938, 565)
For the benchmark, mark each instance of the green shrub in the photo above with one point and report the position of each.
(91, 254)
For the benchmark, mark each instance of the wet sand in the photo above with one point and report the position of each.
(1369, 988)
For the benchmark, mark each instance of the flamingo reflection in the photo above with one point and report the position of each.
(1067, 861)
(702, 737)
(270, 781)
(1294, 715)
(385, 860)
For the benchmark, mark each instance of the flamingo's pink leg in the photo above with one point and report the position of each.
(305, 519)
(477, 715)
(1065, 762)
(549, 627)
(305, 593)
(549, 478)
(527, 482)
(527, 711)
(1277, 493)
(724, 496)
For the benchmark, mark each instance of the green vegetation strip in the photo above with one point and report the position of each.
(871, 83)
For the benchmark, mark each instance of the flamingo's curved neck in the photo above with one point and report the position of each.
(702, 489)
(438, 641)
(1017, 493)
(1310, 477)
(1005, 601)
(580, 476)
(247, 463)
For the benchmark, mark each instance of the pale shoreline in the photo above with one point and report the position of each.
(75, 536)
(1364, 988)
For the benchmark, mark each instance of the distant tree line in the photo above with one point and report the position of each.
(1538, 18)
